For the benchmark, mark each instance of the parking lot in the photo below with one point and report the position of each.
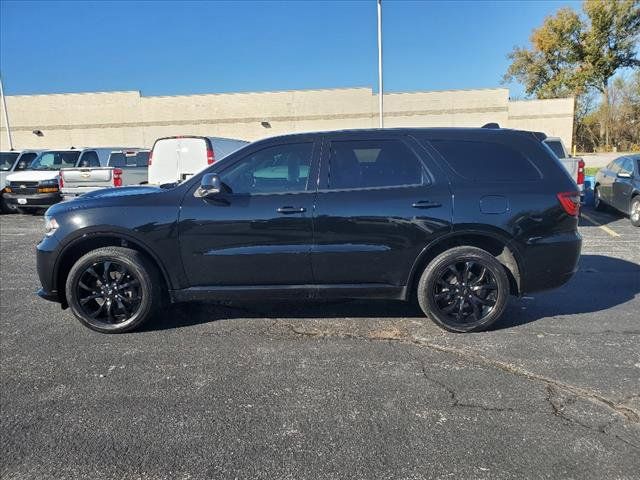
(328, 390)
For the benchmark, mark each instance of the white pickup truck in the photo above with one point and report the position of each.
(574, 165)
(117, 169)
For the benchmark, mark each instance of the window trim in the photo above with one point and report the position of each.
(427, 177)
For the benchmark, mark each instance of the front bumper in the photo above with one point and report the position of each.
(46, 256)
(34, 200)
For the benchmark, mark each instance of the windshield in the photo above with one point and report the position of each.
(54, 160)
(25, 160)
(7, 159)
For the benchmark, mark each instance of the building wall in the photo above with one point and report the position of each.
(129, 119)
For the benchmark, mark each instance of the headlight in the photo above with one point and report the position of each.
(50, 226)
(53, 182)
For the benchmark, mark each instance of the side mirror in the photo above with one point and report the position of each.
(210, 185)
(624, 175)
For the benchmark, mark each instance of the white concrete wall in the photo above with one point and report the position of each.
(129, 119)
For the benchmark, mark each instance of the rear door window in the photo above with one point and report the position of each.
(357, 164)
(486, 161)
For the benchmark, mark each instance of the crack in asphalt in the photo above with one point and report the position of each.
(455, 401)
(558, 406)
(628, 413)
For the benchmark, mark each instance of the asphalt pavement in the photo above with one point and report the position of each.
(327, 390)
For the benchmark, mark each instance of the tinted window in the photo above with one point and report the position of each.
(54, 160)
(25, 160)
(89, 160)
(7, 159)
(372, 163)
(282, 168)
(117, 159)
(142, 159)
(627, 166)
(556, 148)
(486, 161)
(614, 166)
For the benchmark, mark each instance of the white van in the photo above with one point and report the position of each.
(174, 159)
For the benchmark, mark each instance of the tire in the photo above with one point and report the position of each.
(113, 289)
(634, 211)
(6, 207)
(480, 283)
(598, 204)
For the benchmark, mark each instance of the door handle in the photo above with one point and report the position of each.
(290, 210)
(426, 204)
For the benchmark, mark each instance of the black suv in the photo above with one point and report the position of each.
(457, 218)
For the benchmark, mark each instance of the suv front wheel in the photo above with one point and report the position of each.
(464, 289)
(113, 289)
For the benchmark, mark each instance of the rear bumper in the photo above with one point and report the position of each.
(35, 200)
(70, 194)
(550, 262)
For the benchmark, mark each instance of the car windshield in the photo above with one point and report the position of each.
(7, 159)
(54, 160)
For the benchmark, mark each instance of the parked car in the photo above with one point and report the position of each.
(174, 159)
(13, 161)
(574, 165)
(618, 185)
(349, 214)
(36, 187)
(120, 168)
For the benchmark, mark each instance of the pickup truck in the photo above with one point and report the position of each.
(121, 168)
(574, 165)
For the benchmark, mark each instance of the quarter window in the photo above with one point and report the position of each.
(277, 169)
(373, 164)
(486, 161)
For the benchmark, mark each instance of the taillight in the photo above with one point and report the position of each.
(150, 157)
(570, 202)
(60, 180)
(117, 177)
(580, 172)
(210, 157)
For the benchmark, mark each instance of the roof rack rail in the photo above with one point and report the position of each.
(491, 125)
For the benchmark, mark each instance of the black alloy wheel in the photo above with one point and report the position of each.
(108, 292)
(464, 289)
(114, 289)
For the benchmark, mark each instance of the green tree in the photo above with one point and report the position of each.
(572, 53)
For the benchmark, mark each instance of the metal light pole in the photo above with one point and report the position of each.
(380, 90)
(6, 115)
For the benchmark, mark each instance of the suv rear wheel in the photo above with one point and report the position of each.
(464, 289)
(113, 289)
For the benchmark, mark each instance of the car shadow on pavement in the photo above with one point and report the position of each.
(600, 283)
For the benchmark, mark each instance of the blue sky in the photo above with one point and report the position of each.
(171, 48)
